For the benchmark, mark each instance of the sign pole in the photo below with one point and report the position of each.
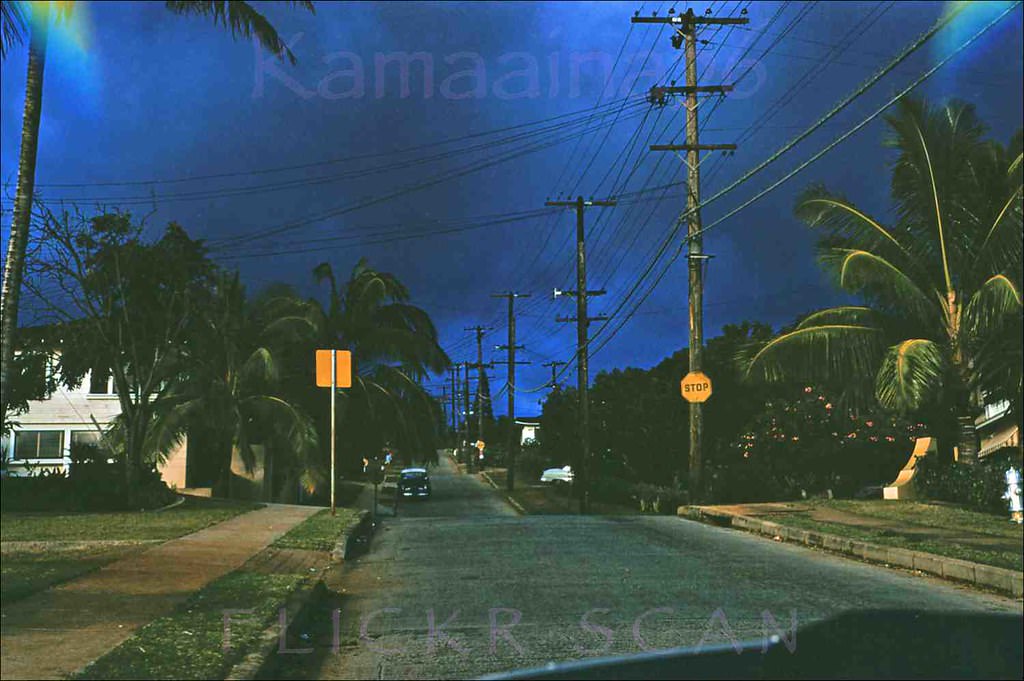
(334, 391)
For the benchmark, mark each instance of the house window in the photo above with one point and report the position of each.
(99, 382)
(39, 444)
(85, 437)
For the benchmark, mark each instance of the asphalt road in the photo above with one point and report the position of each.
(460, 585)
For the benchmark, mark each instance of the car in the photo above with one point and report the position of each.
(561, 475)
(414, 482)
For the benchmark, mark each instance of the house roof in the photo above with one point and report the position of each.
(528, 421)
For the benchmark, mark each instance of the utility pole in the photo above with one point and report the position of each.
(554, 371)
(686, 35)
(513, 445)
(582, 342)
(479, 365)
(453, 372)
(465, 402)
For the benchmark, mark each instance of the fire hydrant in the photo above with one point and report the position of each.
(1013, 495)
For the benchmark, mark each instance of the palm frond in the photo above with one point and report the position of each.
(910, 373)
(876, 278)
(242, 19)
(819, 208)
(991, 304)
(13, 25)
(848, 314)
(831, 351)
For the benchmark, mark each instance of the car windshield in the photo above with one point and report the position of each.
(442, 339)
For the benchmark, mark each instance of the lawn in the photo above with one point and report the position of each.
(941, 529)
(194, 514)
(190, 643)
(66, 545)
(319, 532)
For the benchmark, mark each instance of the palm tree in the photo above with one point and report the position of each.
(394, 346)
(35, 18)
(942, 282)
(227, 395)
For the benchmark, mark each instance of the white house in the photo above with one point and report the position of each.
(529, 429)
(41, 438)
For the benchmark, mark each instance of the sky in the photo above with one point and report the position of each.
(441, 177)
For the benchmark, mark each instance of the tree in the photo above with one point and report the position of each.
(942, 283)
(227, 392)
(123, 305)
(394, 347)
(36, 18)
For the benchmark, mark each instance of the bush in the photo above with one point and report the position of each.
(92, 486)
(532, 461)
(980, 487)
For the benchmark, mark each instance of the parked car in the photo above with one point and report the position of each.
(414, 482)
(557, 475)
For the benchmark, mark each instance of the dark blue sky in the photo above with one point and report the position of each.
(133, 94)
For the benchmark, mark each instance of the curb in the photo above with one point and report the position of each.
(511, 502)
(1001, 579)
(250, 666)
(346, 541)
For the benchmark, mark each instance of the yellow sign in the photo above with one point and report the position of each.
(343, 371)
(695, 387)
(480, 445)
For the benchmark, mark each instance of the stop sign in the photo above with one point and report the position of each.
(695, 387)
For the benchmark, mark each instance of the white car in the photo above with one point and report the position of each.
(560, 475)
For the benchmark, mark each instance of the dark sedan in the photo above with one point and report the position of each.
(414, 482)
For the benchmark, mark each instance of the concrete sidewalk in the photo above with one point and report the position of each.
(58, 631)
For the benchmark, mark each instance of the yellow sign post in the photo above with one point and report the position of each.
(333, 370)
(695, 387)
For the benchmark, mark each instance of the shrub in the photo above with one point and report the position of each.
(92, 486)
(613, 490)
(980, 487)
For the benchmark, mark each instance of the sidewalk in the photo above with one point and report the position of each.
(878, 539)
(58, 631)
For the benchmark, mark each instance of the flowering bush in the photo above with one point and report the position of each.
(804, 445)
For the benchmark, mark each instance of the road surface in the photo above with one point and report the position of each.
(460, 585)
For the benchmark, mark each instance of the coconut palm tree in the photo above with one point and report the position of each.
(394, 346)
(228, 394)
(941, 281)
(35, 19)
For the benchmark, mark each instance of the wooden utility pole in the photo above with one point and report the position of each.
(453, 372)
(513, 444)
(582, 343)
(465, 402)
(480, 366)
(686, 36)
(554, 371)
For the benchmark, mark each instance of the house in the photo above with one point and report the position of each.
(42, 437)
(997, 429)
(529, 429)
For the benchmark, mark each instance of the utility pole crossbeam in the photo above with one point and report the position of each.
(554, 371)
(513, 445)
(686, 35)
(693, 147)
(582, 343)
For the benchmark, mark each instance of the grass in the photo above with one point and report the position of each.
(962, 532)
(933, 515)
(31, 568)
(189, 644)
(319, 532)
(194, 514)
(23, 573)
